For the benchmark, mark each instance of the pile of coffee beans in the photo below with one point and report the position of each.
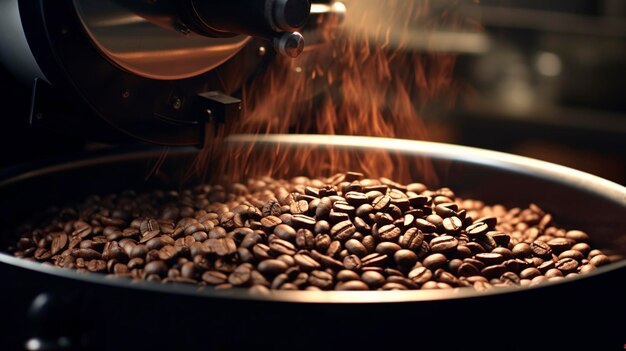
(346, 232)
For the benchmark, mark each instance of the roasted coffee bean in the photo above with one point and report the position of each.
(540, 248)
(355, 247)
(303, 221)
(420, 275)
(157, 267)
(321, 279)
(299, 207)
(522, 250)
(241, 276)
(530, 273)
(309, 233)
(567, 265)
(494, 271)
(575, 254)
(285, 232)
(577, 235)
(405, 258)
(329, 262)
(305, 239)
(468, 270)
(477, 229)
(452, 224)
(435, 261)
(374, 260)
(282, 247)
(490, 259)
(306, 263)
(272, 267)
(387, 248)
(444, 243)
(387, 232)
(352, 262)
(599, 260)
(342, 231)
(381, 203)
(412, 239)
(559, 245)
(214, 277)
(353, 285)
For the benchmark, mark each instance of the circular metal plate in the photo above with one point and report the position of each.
(149, 50)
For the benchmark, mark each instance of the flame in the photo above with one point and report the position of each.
(363, 78)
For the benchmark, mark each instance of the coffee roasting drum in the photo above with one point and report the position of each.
(121, 70)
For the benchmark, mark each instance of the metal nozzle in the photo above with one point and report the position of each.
(289, 44)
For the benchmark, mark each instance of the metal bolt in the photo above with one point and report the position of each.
(177, 103)
(125, 93)
(181, 28)
(261, 51)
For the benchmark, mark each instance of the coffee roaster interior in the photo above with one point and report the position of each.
(93, 92)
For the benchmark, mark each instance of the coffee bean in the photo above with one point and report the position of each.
(352, 262)
(494, 271)
(305, 239)
(374, 260)
(355, 247)
(444, 243)
(373, 279)
(530, 273)
(303, 221)
(329, 262)
(381, 203)
(241, 276)
(574, 254)
(272, 267)
(387, 232)
(342, 231)
(282, 247)
(420, 275)
(321, 227)
(522, 250)
(412, 239)
(353, 285)
(540, 248)
(306, 263)
(567, 265)
(321, 279)
(435, 261)
(559, 245)
(405, 258)
(214, 277)
(577, 235)
(599, 260)
(468, 270)
(452, 224)
(156, 267)
(490, 258)
(477, 229)
(285, 232)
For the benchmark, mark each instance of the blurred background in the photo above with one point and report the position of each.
(543, 79)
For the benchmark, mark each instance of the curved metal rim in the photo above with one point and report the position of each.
(494, 159)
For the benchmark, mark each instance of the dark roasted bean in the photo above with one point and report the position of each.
(321, 279)
(355, 247)
(272, 267)
(444, 243)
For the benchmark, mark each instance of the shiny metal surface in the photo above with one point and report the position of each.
(15, 52)
(150, 50)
